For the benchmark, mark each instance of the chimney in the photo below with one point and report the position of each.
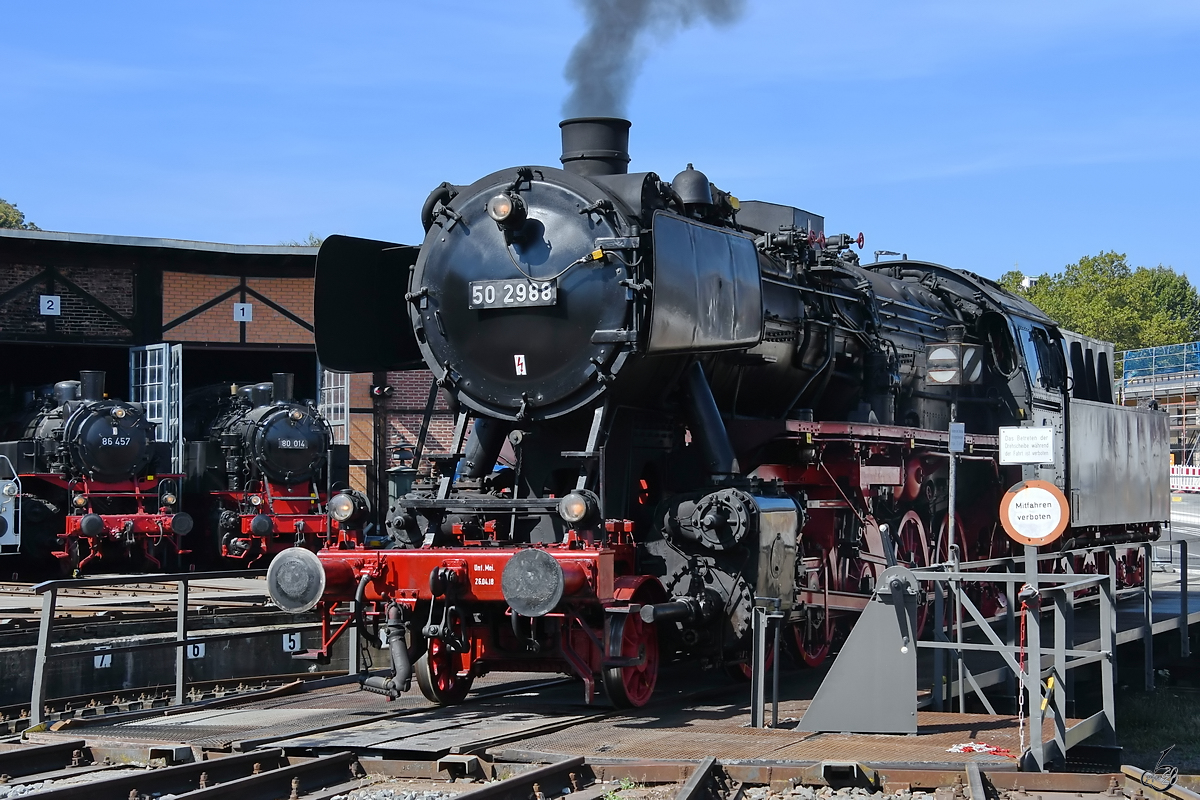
(595, 145)
(91, 384)
(283, 386)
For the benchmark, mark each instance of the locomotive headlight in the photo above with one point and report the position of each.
(575, 507)
(118, 413)
(296, 415)
(342, 507)
(255, 500)
(169, 499)
(507, 209)
(79, 501)
(10, 490)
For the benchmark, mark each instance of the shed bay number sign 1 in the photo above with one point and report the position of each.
(1034, 512)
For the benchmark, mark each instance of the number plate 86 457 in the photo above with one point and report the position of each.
(510, 294)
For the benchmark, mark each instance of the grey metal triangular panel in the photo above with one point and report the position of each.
(872, 685)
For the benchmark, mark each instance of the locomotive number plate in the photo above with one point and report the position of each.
(510, 294)
(293, 444)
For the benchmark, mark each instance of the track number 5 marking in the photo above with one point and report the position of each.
(519, 361)
(291, 643)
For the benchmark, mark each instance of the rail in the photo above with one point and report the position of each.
(46, 652)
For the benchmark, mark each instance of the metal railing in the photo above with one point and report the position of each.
(1049, 687)
(858, 696)
(46, 652)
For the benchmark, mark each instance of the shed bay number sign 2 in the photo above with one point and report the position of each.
(1034, 512)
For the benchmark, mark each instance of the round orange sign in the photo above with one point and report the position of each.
(1034, 512)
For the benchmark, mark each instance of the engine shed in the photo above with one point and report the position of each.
(163, 318)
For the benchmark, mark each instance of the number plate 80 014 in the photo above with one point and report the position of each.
(510, 294)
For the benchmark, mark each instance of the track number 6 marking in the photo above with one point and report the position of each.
(519, 362)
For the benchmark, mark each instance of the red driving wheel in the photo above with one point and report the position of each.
(813, 635)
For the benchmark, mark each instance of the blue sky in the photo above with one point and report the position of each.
(983, 135)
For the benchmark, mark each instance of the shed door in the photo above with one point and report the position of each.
(334, 403)
(156, 381)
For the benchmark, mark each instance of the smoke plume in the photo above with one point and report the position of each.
(605, 62)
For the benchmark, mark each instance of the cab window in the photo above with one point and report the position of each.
(1043, 356)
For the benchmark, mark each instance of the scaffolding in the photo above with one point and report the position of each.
(1169, 377)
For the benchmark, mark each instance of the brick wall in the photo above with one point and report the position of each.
(183, 292)
(406, 409)
(112, 286)
(20, 314)
(294, 294)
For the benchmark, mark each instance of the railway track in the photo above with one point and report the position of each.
(71, 770)
(19, 602)
(529, 739)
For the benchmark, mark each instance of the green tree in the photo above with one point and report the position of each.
(312, 241)
(1102, 296)
(12, 217)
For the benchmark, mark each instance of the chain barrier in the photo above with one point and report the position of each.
(1021, 680)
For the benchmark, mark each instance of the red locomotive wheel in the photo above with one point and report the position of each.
(1131, 570)
(814, 641)
(743, 671)
(631, 687)
(914, 554)
(814, 636)
(437, 675)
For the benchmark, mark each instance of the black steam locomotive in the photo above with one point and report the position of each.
(265, 471)
(96, 486)
(702, 402)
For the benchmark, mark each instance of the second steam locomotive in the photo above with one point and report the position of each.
(268, 475)
(674, 404)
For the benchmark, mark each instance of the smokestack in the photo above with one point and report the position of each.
(91, 384)
(606, 60)
(595, 145)
(283, 386)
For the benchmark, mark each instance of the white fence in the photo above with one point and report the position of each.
(1185, 479)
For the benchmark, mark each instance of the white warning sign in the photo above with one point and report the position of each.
(1034, 512)
(519, 361)
(1027, 445)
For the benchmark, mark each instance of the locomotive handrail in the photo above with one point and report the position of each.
(172, 577)
(483, 504)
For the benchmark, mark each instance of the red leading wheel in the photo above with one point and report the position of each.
(437, 675)
(630, 638)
